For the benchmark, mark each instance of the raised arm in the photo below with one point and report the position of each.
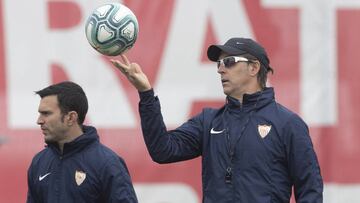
(164, 146)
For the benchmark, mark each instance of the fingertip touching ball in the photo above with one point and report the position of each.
(112, 29)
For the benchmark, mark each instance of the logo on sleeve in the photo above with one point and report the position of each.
(41, 177)
(79, 177)
(264, 130)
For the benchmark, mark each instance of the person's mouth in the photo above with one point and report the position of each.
(224, 81)
(43, 129)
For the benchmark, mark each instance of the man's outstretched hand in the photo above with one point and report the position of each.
(133, 73)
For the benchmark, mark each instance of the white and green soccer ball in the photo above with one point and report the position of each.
(112, 29)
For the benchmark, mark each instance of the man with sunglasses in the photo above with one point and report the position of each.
(253, 149)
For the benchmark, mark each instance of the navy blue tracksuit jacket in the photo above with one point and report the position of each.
(86, 172)
(253, 152)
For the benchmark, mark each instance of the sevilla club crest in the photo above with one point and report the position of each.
(264, 130)
(80, 176)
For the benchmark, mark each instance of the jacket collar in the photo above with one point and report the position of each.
(89, 136)
(253, 101)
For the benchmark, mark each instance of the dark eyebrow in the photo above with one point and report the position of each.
(44, 112)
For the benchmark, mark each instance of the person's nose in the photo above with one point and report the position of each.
(40, 121)
(221, 69)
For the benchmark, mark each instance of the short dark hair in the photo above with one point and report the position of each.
(262, 75)
(70, 96)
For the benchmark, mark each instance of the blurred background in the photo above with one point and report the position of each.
(314, 48)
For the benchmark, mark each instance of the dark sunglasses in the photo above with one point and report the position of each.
(229, 61)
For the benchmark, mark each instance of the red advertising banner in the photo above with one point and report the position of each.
(313, 48)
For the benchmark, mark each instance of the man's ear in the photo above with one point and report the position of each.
(72, 118)
(254, 68)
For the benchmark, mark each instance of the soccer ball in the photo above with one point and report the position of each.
(112, 29)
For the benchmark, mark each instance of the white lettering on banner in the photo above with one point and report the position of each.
(339, 193)
(318, 56)
(182, 78)
(165, 192)
(31, 48)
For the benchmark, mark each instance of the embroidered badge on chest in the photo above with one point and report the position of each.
(79, 177)
(264, 130)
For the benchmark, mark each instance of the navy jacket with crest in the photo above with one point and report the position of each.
(251, 152)
(86, 172)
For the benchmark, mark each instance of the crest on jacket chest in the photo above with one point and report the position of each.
(80, 176)
(264, 130)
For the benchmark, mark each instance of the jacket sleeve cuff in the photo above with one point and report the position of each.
(147, 96)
